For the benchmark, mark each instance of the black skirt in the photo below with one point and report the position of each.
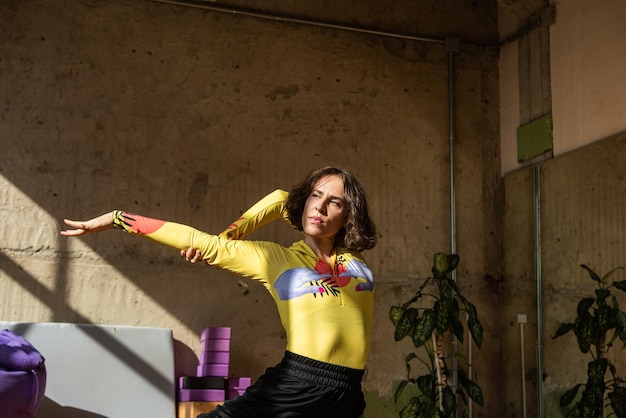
(299, 387)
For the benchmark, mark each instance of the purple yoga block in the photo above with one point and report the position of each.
(216, 357)
(213, 370)
(201, 395)
(239, 383)
(215, 333)
(215, 345)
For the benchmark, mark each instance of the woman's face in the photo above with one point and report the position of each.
(325, 209)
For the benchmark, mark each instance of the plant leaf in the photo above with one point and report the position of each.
(601, 295)
(411, 409)
(448, 401)
(426, 385)
(614, 303)
(444, 308)
(569, 396)
(602, 319)
(461, 393)
(590, 411)
(592, 273)
(462, 375)
(474, 325)
(621, 285)
(563, 329)
(444, 264)
(607, 276)
(440, 264)
(406, 324)
(407, 363)
(395, 313)
(618, 401)
(399, 389)
(457, 328)
(620, 325)
(410, 357)
(424, 327)
(596, 371)
(584, 328)
(473, 390)
(453, 261)
(584, 305)
(592, 398)
(576, 412)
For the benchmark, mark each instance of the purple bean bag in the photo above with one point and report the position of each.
(22, 377)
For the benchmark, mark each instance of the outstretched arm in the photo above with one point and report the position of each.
(164, 232)
(266, 210)
(242, 257)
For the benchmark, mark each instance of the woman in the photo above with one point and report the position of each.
(322, 287)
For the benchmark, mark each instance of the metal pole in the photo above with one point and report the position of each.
(452, 46)
(537, 187)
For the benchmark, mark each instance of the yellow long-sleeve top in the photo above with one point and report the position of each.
(326, 310)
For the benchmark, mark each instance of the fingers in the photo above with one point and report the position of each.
(73, 232)
(188, 254)
(100, 223)
(79, 228)
(73, 224)
(191, 254)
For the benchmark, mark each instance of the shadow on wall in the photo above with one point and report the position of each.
(51, 409)
(93, 332)
(186, 359)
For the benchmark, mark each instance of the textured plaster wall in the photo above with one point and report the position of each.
(580, 200)
(192, 116)
(581, 210)
(584, 204)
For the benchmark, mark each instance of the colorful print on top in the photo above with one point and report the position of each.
(323, 281)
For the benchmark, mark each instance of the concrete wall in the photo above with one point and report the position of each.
(192, 115)
(580, 201)
(581, 210)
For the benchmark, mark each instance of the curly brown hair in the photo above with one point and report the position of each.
(359, 232)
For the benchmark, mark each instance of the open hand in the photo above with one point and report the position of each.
(101, 223)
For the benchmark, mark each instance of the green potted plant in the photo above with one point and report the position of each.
(431, 329)
(597, 319)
